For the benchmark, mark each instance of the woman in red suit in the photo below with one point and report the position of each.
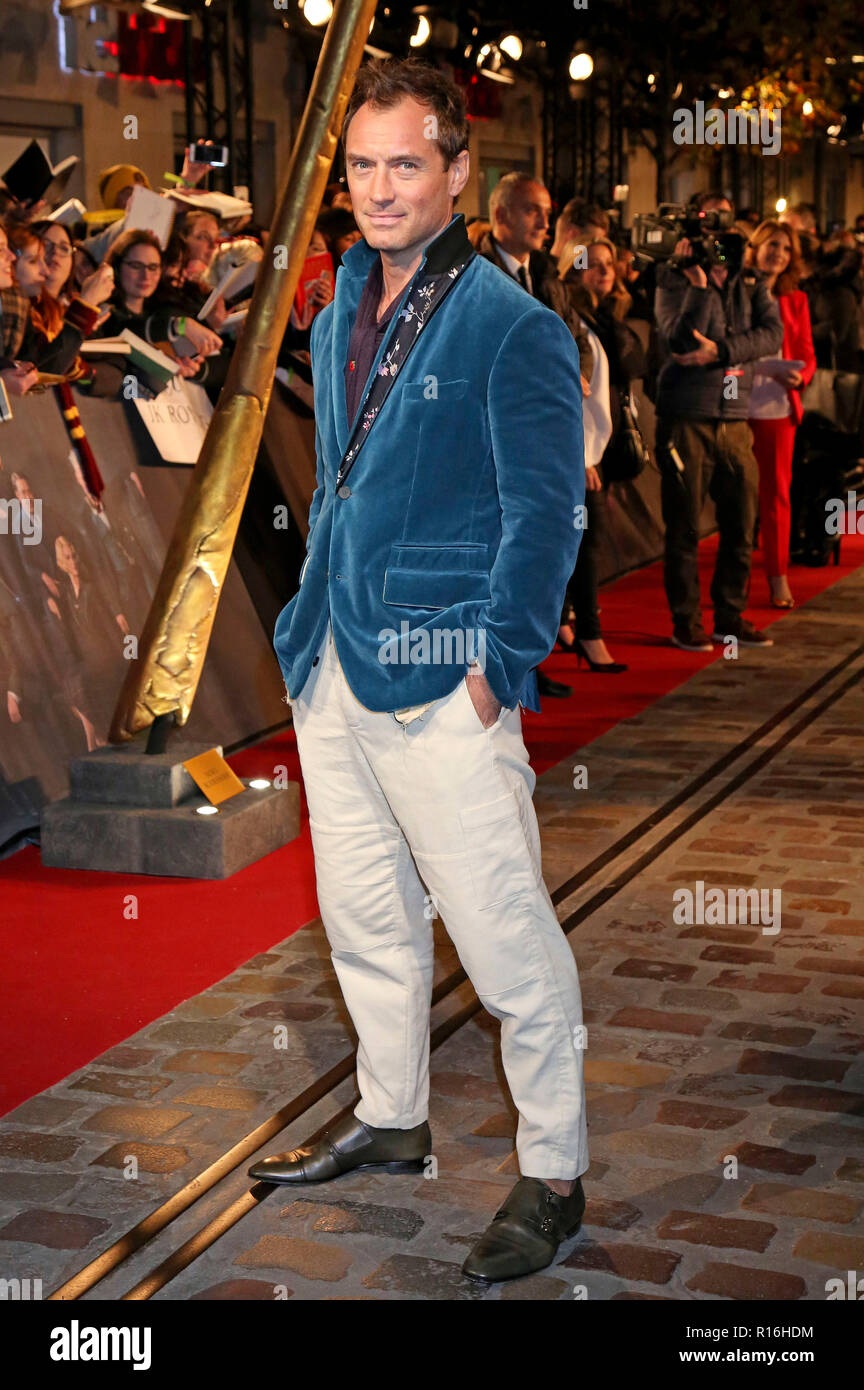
(775, 403)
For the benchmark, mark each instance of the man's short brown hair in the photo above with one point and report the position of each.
(579, 213)
(383, 83)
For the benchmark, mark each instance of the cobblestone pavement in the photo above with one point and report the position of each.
(724, 1069)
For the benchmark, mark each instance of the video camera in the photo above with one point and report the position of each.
(712, 242)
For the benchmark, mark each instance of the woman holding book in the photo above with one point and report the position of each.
(136, 260)
(53, 333)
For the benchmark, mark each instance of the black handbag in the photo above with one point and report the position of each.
(625, 455)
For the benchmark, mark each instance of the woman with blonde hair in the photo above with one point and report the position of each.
(618, 301)
(775, 401)
(597, 293)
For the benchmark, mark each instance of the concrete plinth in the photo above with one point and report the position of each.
(125, 776)
(137, 814)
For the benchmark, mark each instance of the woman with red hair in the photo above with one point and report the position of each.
(775, 402)
(53, 332)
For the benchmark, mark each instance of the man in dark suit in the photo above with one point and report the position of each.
(519, 208)
(450, 469)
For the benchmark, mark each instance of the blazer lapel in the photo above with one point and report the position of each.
(339, 340)
(350, 280)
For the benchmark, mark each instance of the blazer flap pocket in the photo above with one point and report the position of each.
(436, 576)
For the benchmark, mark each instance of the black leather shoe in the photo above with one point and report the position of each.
(348, 1146)
(557, 689)
(525, 1234)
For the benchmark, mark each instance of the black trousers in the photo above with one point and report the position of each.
(582, 589)
(718, 461)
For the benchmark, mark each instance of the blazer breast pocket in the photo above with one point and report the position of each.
(436, 576)
(431, 389)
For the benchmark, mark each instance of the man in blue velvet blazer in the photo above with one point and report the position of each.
(432, 586)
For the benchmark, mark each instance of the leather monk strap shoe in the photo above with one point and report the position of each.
(525, 1233)
(349, 1145)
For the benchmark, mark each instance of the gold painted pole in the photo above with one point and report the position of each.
(173, 643)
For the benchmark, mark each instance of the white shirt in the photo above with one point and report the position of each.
(513, 266)
(596, 408)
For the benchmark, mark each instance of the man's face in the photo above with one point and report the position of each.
(525, 224)
(717, 205)
(400, 191)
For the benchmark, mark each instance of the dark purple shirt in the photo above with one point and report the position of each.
(366, 337)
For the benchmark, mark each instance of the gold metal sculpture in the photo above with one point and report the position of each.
(173, 643)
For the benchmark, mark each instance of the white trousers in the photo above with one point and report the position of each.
(435, 817)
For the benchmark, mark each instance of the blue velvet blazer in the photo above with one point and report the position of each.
(463, 514)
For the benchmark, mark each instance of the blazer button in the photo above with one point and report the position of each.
(344, 491)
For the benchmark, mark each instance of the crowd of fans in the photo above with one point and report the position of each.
(60, 286)
(794, 304)
(724, 352)
(85, 575)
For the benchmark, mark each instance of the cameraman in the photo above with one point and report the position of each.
(713, 323)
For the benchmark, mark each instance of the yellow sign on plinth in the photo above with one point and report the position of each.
(211, 773)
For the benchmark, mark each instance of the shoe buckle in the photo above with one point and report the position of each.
(547, 1222)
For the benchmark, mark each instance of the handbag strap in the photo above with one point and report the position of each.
(425, 297)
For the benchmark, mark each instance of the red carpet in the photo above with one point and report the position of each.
(81, 977)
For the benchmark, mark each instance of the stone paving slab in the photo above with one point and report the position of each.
(724, 1069)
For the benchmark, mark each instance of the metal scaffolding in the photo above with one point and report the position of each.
(219, 92)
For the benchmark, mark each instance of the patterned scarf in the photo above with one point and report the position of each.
(425, 296)
(15, 311)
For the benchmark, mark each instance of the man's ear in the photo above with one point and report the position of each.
(457, 174)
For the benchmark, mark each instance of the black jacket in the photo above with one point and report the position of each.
(743, 320)
(834, 295)
(625, 353)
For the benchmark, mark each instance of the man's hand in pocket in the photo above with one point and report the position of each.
(487, 706)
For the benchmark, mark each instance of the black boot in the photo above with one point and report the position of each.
(557, 689)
